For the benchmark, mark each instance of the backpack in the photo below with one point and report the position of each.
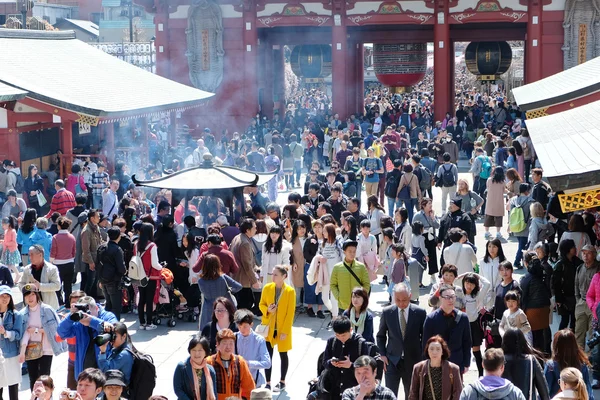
(19, 183)
(143, 376)
(391, 184)
(516, 221)
(447, 176)
(425, 178)
(136, 270)
(486, 167)
(100, 264)
(545, 232)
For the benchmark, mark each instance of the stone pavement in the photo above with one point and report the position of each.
(168, 346)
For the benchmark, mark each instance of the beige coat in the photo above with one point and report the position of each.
(49, 283)
(411, 180)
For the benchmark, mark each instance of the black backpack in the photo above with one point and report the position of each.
(425, 176)
(447, 176)
(20, 183)
(143, 376)
(392, 181)
(100, 264)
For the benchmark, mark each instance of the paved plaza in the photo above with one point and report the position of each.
(168, 346)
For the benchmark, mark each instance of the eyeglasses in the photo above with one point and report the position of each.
(451, 297)
(220, 310)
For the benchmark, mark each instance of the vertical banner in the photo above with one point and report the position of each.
(582, 44)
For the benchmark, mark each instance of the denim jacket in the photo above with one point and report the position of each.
(119, 358)
(10, 341)
(50, 324)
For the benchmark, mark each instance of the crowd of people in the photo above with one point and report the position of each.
(317, 255)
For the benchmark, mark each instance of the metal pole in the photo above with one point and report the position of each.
(24, 15)
(130, 13)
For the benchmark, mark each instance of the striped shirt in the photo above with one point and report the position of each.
(62, 202)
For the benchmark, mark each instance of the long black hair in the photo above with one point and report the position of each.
(351, 221)
(192, 244)
(146, 236)
(474, 279)
(295, 226)
(274, 247)
(496, 242)
(499, 176)
(32, 166)
(515, 344)
(29, 220)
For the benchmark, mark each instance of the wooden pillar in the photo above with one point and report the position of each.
(533, 43)
(351, 78)
(441, 60)
(66, 144)
(339, 58)
(250, 40)
(109, 134)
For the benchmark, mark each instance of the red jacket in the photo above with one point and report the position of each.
(228, 264)
(592, 297)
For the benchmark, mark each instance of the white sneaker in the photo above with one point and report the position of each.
(487, 236)
(151, 327)
(499, 235)
(142, 327)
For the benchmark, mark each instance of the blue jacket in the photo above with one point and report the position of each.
(458, 337)
(50, 324)
(10, 342)
(68, 329)
(183, 381)
(44, 239)
(120, 358)
(552, 374)
(24, 239)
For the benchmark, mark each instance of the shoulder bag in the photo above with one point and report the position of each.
(353, 274)
(430, 381)
(531, 378)
(231, 296)
(34, 350)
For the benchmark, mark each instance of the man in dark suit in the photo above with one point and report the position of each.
(398, 358)
(453, 326)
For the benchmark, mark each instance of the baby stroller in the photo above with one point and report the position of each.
(165, 300)
(489, 326)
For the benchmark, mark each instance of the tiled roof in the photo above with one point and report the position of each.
(124, 24)
(80, 78)
(87, 26)
(11, 93)
(568, 146)
(558, 88)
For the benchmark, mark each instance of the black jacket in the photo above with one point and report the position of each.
(518, 371)
(456, 219)
(33, 185)
(540, 193)
(343, 378)
(113, 263)
(563, 279)
(535, 293)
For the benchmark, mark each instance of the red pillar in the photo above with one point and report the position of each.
(66, 144)
(360, 78)
(351, 78)
(533, 46)
(441, 60)
(267, 97)
(279, 74)
(161, 21)
(13, 144)
(451, 81)
(339, 51)
(109, 134)
(250, 40)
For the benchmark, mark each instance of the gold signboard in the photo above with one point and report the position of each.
(582, 44)
(579, 200)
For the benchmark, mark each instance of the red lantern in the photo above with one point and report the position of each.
(400, 65)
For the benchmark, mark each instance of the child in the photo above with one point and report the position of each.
(10, 253)
(367, 249)
(419, 251)
(514, 317)
(385, 253)
(397, 268)
(363, 150)
(476, 289)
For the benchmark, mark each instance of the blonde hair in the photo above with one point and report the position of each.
(465, 182)
(536, 210)
(573, 378)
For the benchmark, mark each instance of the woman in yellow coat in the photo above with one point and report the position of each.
(278, 307)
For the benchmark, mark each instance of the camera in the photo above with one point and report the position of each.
(594, 340)
(104, 338)
(80, 314)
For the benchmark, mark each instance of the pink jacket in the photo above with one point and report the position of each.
(10, 240)
(72, 181)
(592, 297)
(318, 273)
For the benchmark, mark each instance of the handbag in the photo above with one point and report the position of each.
(34, 350)
(404, 193)
(232, 297)
(262, 330)
(41, 199)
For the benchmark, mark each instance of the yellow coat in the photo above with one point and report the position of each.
(286, 310)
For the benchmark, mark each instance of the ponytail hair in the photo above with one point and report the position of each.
(574, 378)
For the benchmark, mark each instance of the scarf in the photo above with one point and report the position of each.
(198, 370)
(359, 326)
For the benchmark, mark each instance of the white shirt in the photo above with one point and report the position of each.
(377, 125)
(461, 255)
